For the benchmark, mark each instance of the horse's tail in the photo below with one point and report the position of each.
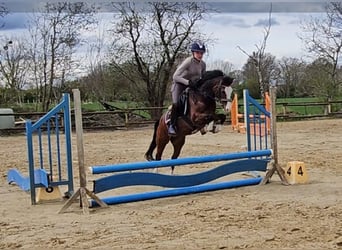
(153, 145)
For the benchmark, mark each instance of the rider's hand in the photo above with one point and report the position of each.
(191, 84)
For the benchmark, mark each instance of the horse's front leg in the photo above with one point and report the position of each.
(177, 143)
(211, 123)
(220, 117)
(216, 125)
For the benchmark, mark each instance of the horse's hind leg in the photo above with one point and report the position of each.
(153, 145)
(161, 144)
(162, 139)
(177, 143)
(149, 152)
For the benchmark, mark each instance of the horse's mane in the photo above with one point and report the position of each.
(227, 80)
(208, 75)
(211, 74)
(204, 85)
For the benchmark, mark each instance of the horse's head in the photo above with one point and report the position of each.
(225, 93)
(215, 84)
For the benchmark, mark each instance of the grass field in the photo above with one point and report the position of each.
(301, 106)
(118, 105)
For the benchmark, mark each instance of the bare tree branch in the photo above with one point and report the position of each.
(55, 33)
(258, 57)
(322, 38)
(150, 38)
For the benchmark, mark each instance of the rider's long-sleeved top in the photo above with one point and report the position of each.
(189, 69)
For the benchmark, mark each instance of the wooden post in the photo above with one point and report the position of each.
(82, 192)
(274, 144)
(234, 113)
(126, 118)
(329, 106)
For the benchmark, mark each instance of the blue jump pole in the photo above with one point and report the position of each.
(177, 162)
(178, 191)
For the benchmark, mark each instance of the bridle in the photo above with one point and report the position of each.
(221, 88)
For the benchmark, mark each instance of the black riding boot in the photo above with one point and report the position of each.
(173, 120)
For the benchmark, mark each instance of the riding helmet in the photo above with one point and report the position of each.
(197, 47)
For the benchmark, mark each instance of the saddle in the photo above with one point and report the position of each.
(182, 107)
(183, 103)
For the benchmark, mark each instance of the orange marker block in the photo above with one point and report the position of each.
(295, 172)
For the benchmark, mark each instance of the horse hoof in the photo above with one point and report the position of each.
(149, 157)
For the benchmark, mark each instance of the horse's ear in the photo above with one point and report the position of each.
(227, 80)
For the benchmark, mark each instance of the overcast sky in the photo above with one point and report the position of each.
(239, 23)
(246, 30)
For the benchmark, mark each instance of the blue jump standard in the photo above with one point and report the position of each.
(40, 177)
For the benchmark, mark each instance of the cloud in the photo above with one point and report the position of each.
(227, 29)
(265, 22)
(283, 40)
(228, 6)
(227, 20)
(257, 6)
(14, 21)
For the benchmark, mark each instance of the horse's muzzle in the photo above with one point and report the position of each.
(227, 107)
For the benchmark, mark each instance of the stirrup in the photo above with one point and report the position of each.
(171, 130)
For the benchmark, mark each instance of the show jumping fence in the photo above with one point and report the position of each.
(178, 184)
(49, 153)
(255, 159)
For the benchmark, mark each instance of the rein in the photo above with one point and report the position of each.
(219, 90)
(210, 93)
(218, 95)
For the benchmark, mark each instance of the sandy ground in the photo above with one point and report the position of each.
(272, 216)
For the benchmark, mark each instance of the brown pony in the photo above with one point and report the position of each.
(198, 109)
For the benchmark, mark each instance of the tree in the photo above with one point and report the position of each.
(322, 38)
(317, 81)
(3, 13)
(260, 73)
(55, 33)
(99, 83)
(293, 74)
(151, 38)
(13, 68)
(260, 59)
(225, 66)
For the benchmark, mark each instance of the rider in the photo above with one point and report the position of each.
(188, 72)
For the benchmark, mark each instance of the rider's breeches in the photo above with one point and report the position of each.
(176, 90)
